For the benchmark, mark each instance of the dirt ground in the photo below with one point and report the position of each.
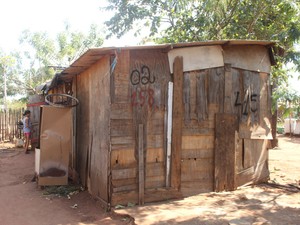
(277, 202)
(23, 203)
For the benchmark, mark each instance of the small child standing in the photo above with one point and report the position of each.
(26, 129)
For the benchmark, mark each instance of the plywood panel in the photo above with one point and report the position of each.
(124, 182)
(252, 161)
(130, 187)
(248, 152)
(259, 157)
(56, 144)
(155, 155)
(196, 58)
(255, 58)
(121, 127)
(195, 170)
(123, 158)
(155, 141)
(245, 176)
(124, 173)
(197, 153)
(197, 142)
(198, 130)
(122, 140)
(156, 126)
(99, 110)
(155, 182)
(121, 111)
(155, 169)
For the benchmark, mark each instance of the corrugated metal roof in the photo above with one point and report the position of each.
(91, 56)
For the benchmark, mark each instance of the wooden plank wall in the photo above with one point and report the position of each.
(99, 128)
(83, 126)
(139, 91)
(238, 92)
(8, 124)
(250, 101)
(93, 92)
(203, 96)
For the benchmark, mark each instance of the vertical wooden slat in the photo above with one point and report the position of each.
(226, 126)
(201, 96)
(177, 122)
(141, 165)
(186, 98)
(216, 87)
(228, 107)
(254, 101)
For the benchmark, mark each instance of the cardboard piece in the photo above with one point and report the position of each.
(52, 159)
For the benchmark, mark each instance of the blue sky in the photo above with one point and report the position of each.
(50, 16)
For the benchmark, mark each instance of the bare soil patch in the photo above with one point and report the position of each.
(24, 203)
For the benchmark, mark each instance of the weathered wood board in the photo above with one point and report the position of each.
(177, 123)
(226, 128)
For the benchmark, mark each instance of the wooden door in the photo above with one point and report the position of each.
(149, 78)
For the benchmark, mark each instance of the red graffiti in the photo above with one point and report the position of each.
(142, 97)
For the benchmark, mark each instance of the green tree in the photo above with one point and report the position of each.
(171, 21)
(46, 56)
(9, 72)
(288, 103)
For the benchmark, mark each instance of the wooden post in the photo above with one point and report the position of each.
(177, 123)
(141, 165)
(226, 127)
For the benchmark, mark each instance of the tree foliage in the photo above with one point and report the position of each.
(288, 103)
(46, 56)
(10, 66)
(172, 21)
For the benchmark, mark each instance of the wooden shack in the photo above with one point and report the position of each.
(166, 121)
